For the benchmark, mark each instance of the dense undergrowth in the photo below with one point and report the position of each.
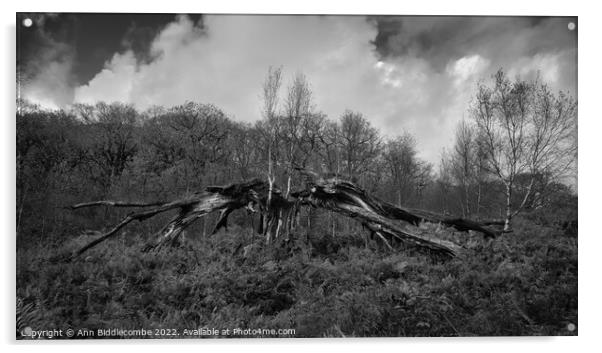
(524, 283)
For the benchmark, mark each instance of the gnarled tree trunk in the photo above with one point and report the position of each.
(280, 213)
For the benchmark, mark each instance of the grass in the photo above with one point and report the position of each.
(523, 283)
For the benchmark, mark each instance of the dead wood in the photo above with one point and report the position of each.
(115, 204)
(190, 209)
(347, 191)
(279, 215)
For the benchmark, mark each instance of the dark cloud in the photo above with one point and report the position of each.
(39, 43)
(143, 30)
(92, 38)
(441, 39)
(138, 39)
(44, 59)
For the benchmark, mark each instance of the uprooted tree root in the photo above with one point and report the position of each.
(279, 215)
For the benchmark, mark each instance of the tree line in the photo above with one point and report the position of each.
(512, 156)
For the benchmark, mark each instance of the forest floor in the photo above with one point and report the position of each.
(524, 283)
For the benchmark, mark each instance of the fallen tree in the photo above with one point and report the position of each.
(279, 215)
(334, 185)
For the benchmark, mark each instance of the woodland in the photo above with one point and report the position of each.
(184, 217)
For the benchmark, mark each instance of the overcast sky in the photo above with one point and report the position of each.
(414, 74)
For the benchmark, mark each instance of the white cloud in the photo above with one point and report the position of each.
(50, 88)
(45, 79)
(467, 68)
(226, 60)
(113, 83)
(546, 65)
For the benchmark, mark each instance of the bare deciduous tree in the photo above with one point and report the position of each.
(463, 162)
(359, 143)
(298, 108)
(271, 88)
(400, 157)
(111, 136)
(526, 130)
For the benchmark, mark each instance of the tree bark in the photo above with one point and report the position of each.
(508, 219)
(279, 214)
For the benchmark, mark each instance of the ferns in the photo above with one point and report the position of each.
(521, 284)
(28, 316)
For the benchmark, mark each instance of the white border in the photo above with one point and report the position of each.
(589, 169)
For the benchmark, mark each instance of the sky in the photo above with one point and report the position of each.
(413, 74)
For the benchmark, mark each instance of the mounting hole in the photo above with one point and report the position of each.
(571, 26)
(27, 22)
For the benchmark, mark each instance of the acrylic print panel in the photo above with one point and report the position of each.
(271, 176)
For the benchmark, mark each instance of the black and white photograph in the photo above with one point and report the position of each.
(295, 176)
